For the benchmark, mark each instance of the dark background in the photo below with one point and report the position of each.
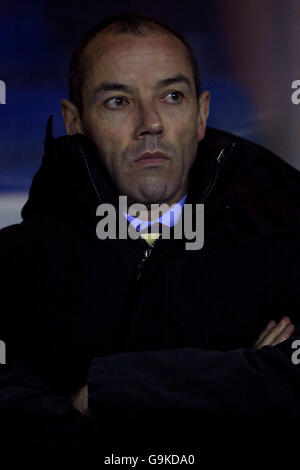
(249, 53)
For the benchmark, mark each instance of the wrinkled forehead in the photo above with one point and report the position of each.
(115, 56)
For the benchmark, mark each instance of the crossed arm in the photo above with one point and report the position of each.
(182, 382)
(274, 333)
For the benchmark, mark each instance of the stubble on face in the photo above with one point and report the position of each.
(145, 120)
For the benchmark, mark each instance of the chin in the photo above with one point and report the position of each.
(153, 199)
(156, 195)
(147, 191)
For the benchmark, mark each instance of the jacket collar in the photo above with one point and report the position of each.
(257, 191)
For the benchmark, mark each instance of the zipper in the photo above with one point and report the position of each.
(141, 264)
(221, 159)
(86, 164)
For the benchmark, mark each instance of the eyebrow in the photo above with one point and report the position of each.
(173, 80)
(114, 86)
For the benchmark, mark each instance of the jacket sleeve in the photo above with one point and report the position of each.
(185, 385)
(158, 399)
(31, 414)
(249, 383)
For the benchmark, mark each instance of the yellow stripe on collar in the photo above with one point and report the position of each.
(150, 237)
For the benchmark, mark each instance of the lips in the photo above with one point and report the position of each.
(149, 158)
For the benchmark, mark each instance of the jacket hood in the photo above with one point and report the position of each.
(72, 181)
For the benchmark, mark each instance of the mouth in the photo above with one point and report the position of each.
(151, 159)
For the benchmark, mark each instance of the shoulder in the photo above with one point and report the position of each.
(258, 161)
(261, 188)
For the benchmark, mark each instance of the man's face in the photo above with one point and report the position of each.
(141, 111)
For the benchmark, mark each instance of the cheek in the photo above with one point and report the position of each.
(184, 132)
(102, 133)
(110, 146)
(110, 119)
(109, 129)
(185, 137)
(183, 120)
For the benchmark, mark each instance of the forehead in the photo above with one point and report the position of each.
(153, 56)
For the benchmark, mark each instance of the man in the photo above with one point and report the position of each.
(119, 341)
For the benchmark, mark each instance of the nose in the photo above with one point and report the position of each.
(149, 121)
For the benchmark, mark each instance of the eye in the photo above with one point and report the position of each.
(116, 102)
(173, 97)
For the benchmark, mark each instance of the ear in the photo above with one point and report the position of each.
(71, 117)
(204, 100)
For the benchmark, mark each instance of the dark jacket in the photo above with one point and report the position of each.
(171, 349)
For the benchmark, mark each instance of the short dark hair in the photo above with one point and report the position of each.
(123, 23)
